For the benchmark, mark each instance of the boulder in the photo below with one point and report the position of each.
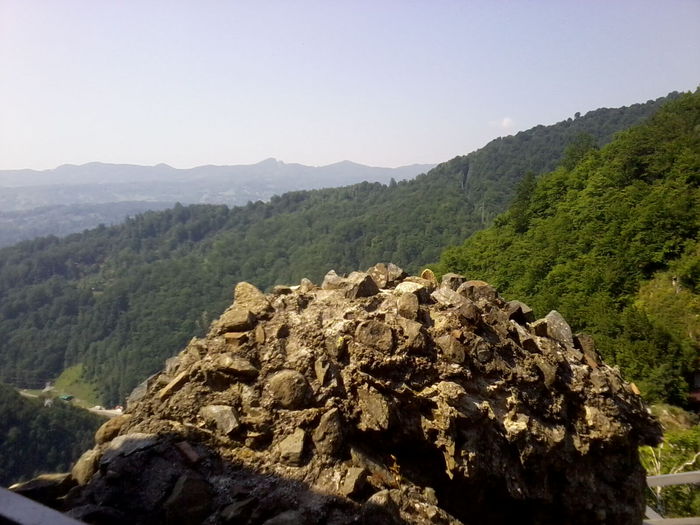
(335, 406)
(288, 389)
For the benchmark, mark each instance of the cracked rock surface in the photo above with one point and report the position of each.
(374, 398)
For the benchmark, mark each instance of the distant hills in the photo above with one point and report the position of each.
(71, 198)
(121, 299)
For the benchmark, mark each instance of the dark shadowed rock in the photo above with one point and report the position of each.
(190, 500)
(519, 312)
(452, 281)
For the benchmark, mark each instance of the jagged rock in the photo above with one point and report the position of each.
(344, 404)
(360, 285)
(222, 416)
(354, 481)
(238, 318)
(558, 329)
(452, 348)
(355, 285)
(448, 297)
(291, 448)
(375, 334)
(333, 281)
(519, 312)
(380, 274)
(452, 281)
(288, 388)
(585, 343)
(249, 297)
(374, 409)
(408, 305)
(328, 435)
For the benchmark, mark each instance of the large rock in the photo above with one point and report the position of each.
(348, 404)
(288, 388)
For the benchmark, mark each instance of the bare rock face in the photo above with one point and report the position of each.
(376, 398)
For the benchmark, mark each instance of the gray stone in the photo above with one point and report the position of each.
(452, 281)
(451, 348)
(375, 334)
(223, 417)
(333, 281)
(408, 305)
(394, 274)
(558, 329)
(475, 290)
(328, 435)
(360, 285)
(354, 481)
(374, 409)
(448, 297)
(306, 286)
(288, 388)
(291, 448)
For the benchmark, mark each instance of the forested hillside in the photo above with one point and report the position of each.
(35, 439)
(121, 299)
(612, 243)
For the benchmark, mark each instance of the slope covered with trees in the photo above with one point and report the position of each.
(121, 299)
(611, 241)
(35, 439)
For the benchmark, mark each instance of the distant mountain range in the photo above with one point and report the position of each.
(72, 198)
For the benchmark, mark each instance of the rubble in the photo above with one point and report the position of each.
(374, 398)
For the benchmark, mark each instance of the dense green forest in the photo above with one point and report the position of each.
(36, 439)
(120, 300)
(610, 240)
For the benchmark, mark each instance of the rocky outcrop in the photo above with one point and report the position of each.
(374, 398)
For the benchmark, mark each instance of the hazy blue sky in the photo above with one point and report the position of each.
(379, 82)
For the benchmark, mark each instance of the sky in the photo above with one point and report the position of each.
(380, 82)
